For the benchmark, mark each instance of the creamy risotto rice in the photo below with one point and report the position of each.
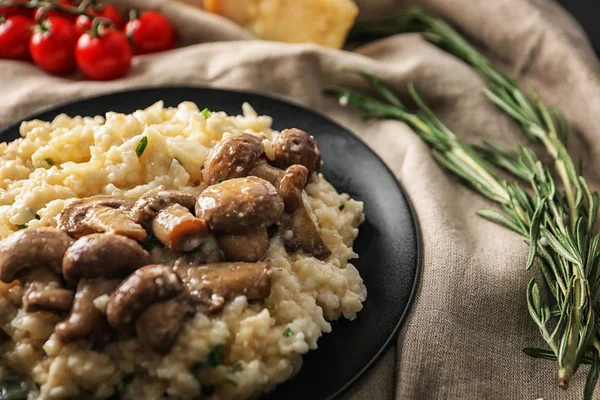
(244, 350)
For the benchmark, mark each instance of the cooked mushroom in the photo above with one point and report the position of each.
(146, 286)
(297, 229)
(100, 214)
(47, 299)
(168, 213)
(211, 285)
(294, 146)
(159, 325)
(239, 205)
(262, 169)
(232, 157)
(32, 248)
(85, 320)
(250, 246)
(208, 253)
(103, 255)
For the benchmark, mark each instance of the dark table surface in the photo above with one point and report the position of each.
(587, 12)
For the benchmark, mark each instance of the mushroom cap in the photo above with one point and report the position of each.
(232, 157)
(210, 285)
(158, 326)
(32, 248)
(99, 214)
(146, 286)
(239, 205)
(103, 255)
(152, 202)
(294, 146)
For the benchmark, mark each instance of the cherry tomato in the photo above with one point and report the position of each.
(103, 55)
(15, 32)
(150, 32)
(12, 11)
(83, 23)
(52, 45)
(40, 13)
(113, 15)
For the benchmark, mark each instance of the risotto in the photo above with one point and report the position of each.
(235, 245)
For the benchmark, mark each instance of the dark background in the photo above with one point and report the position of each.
(587, 12)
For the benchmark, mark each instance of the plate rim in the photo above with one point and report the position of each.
(272, 97)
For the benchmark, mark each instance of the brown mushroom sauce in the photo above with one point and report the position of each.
(105, 248)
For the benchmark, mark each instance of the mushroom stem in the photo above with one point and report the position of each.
(86, 321)
(178, 229)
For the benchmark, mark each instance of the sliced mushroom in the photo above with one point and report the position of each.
(262, 169)
(297, 229)
(239, 205)
(159, 325)
(30, 249)
(294, 146)
(168, 213)
(100, 214)
(250, 246)
(232, 157)
(211, 285)
(103, 255)
(146, 286)
(85, 320)
(47, 300)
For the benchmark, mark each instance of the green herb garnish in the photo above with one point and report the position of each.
(220, 180)
(556, 216)
(214, 359)
(13, 390)
(237, 368)
(24, 226)
(139, 150)
(288, 332)
(205, 113)
(231, 381)
(37, 217)
(150, 242)
(49, 161)
(342, 206)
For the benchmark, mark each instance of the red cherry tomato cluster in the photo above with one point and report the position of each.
(60, 35)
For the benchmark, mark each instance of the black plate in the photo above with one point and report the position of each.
(388, 243)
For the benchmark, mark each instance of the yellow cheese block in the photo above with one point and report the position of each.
(324, 22)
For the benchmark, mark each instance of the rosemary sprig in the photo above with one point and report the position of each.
(558, 223)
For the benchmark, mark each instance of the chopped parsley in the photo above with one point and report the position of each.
(342, 207)
(205, 113)
(150, 242)
(237, 368)
(214, 359)
(37, 217)
(139, 150)
(49, 161)
(234, 383)
(24, 226)
(288, 332)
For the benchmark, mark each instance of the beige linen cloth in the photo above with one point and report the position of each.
(469, 321)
